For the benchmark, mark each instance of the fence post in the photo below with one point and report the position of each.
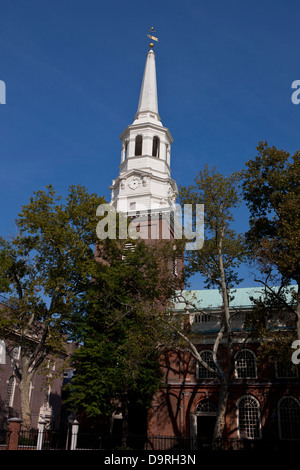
(75, 427)
(41, 429)
(14, 426)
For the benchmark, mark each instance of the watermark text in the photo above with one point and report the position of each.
(187, 223)
(296, 94)
(2, 92)
(296, 354)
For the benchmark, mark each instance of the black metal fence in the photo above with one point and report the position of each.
(52, 440)
(57, 440)
(28, 439)
(3, 439)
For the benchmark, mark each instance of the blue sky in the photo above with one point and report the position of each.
(73, 71)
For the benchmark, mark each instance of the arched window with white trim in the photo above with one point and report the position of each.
(206, 407)
(249, 424)
(155, 146)
(245, 364)
(138, 145)
(202, 371)
(289, 418)
(205, 415)
(125, 149)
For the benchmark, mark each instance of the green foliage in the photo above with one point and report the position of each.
(45, 269)
(220, 196)
(121, 327)
(272, 192)
(112, 300)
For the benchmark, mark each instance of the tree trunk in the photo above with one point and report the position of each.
(224, 392)
(221, 412)
(25, 392)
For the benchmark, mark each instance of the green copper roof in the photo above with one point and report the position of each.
(212, 299)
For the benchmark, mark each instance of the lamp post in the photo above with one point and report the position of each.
(41, 429)
(75, 427)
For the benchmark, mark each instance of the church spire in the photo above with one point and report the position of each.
(148, 103)
(144, 181)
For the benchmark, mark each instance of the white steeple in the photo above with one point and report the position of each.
(148, 105)
(144, 180)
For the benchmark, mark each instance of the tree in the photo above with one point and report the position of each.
(218, 262)
(44, 271)
(272, 193)
(123, 326)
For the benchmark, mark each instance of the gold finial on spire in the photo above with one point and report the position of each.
(151, 31)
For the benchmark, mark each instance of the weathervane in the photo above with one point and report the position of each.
(151, 31)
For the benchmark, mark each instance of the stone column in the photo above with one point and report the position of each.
(14, 426)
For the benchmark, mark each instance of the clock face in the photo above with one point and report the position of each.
(134, 183)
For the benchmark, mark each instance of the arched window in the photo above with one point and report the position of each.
(205, 420)
(203, 372)
(245, 363)
(10, 391)
(138, 145)
(289, 418)
(206, 407)
(249, 418)
(155, 147)
(125, 149)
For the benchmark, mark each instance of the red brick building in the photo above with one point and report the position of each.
(264, 399)
(45, 400)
